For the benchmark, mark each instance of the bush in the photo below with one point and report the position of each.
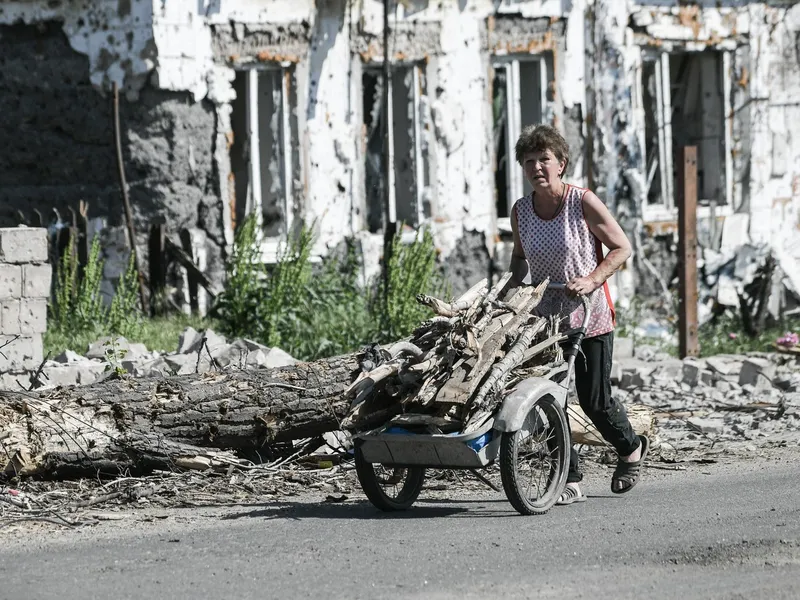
(314, 314)
(78, 314)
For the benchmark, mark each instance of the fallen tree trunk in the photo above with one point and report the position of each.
(135, 424)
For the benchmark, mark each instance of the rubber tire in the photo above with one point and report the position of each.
(508, 468)
(415, 476)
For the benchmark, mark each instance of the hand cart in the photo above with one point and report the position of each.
(528, 434)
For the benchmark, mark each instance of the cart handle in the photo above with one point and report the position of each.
(574, 336)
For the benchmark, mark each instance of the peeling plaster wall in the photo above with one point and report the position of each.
(177, 62)
(764, 90)
(116, 35)
(58, 128)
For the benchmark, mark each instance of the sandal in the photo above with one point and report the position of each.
(572, 493)
(627, 473)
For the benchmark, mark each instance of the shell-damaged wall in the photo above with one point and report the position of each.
(57, 63)
(180, 65)
(177, 64)
(759, 88)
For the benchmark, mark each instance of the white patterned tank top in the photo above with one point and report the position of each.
(563, 248)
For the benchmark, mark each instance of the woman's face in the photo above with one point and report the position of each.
(543, 170)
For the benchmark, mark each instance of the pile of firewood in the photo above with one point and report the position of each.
(452, 373)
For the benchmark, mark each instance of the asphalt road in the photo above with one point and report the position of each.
(715, 531)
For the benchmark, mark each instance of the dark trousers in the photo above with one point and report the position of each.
(593, 385)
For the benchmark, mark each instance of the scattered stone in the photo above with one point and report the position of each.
(713, 426)
(187, 340)
(623, 348)
(68, 356)
(753, 367)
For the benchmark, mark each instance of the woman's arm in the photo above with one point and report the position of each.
(606, 229)
(519, 265)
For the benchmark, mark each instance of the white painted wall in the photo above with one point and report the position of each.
(171, 41)
(119, 44)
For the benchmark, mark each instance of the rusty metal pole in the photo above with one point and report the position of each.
(126, 203)
(687, 251)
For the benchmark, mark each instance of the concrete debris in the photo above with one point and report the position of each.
(743, 274)
(198, 352)
(725, 402)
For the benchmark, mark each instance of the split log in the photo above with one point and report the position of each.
(642, 418)
(135, 424)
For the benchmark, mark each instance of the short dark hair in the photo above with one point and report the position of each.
(538, 138)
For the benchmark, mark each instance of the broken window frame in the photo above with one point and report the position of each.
(270, 245)
(418, 212)
(515, 178)
(666, 209)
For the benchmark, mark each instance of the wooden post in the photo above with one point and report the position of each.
(191, 275)
(687, 251)
(157, 257)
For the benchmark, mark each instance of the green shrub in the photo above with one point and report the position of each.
(324, 313)
(78, 314)
(412, 270)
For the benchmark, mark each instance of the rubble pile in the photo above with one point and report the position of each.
(198, 352)
(751, 399)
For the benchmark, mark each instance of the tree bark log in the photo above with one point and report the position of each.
(135, 424)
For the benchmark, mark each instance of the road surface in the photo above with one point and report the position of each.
(713, 531)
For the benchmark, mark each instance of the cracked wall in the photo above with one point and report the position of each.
(59, 147)
(178, 61)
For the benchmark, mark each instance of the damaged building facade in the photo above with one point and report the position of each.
(272, 107)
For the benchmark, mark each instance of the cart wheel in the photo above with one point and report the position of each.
(534, 460)
(389, 488)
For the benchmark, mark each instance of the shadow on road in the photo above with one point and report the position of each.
(426, 509)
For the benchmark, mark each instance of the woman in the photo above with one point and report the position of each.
(558, 231)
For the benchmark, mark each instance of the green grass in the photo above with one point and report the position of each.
(727, 336)
(158, 333)
(724, 336)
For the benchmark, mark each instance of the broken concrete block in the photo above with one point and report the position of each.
(752, 367)
(724, 366)
(231, 354)
(185, 364)
(669, 370)
(723, 386)
(707, 426)
(89, 372)
(62, 375)
(152, 368)
(252, 345)
(106, 346)
(68, 356)
(188, 338)
(691, 372)
(707, 377)
(278, 358)
(137, 351)
(623, 348)
(213, 339)
(257, 359)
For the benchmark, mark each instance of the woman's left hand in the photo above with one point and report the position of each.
(581, 286)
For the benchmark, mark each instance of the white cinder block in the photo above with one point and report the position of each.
(10, 281)
(36, 280)
(23, 245)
